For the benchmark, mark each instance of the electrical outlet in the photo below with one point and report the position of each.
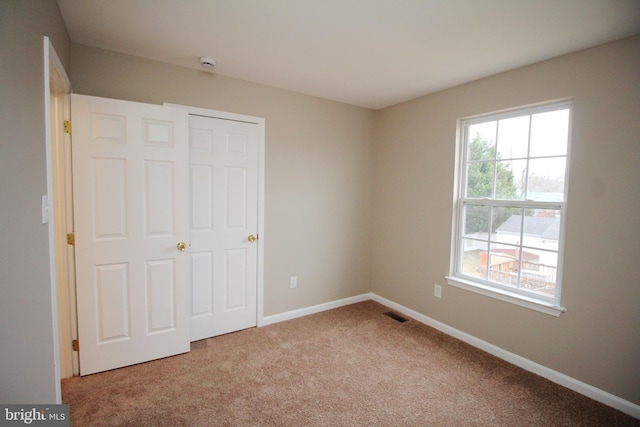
(437, 291)
(293, 282)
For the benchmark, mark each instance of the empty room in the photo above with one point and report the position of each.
(321, 212)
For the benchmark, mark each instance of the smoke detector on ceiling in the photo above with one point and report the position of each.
(207, 63)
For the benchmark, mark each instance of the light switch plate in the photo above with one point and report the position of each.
(45, 209)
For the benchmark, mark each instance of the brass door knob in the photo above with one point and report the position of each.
(251, 238)
(181, 246)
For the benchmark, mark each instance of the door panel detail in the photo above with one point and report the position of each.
(109, 198)
(201, 272)
(201, 197)
(107, 128)
(159, 198)
(236, 198)
(158, 133)
(201, 139)
(237, 144)
(112, 304)
(161, 295)
(235, 279)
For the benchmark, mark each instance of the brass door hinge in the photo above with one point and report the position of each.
(75, 345)
(71, 239)
(67, 126)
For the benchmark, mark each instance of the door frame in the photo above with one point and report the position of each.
(57, 88)
(260, 122)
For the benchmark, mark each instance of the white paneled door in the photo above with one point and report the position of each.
(131, 209)
(224, 225)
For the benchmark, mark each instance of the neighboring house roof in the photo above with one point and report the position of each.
(542, 227)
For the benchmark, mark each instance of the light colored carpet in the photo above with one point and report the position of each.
(351, 366)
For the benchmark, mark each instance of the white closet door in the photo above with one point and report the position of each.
(224, 223)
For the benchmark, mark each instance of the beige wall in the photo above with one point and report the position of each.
(597, 340)
(319, 160)
(26, 322)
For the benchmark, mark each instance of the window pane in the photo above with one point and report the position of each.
(542, 229)
(472, 258)
(476, 222)
(480, 179)
(508, 225)
(481, 141)
(546, 179)
(513, 138)
(503, 219)
(510, 177)
(549, 133)
(503, 265)
(539, 272)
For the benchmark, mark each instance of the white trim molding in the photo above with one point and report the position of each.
(55, 79)
(289, 315)
(503, 295)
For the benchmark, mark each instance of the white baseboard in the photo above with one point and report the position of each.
(268, 320)
(594, 393)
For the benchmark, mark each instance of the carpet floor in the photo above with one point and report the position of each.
(352, 366)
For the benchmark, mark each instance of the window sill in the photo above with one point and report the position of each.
(513, 298)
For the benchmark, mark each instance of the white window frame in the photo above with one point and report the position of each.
(541, 303)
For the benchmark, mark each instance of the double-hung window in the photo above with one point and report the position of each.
(511, 198)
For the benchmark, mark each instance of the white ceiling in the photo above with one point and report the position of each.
(371, 53)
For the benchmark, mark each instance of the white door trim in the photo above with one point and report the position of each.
(55, 78)
(260, 121)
